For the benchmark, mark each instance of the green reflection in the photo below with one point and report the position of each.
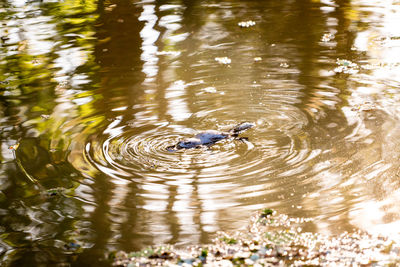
(42, 216)
(93, 91)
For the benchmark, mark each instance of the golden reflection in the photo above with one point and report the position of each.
(374, 212)
(107, 86)
(149, 36)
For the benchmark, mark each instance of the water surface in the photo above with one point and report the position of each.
(92, 93)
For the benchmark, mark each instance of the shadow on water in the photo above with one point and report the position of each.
(92, 94)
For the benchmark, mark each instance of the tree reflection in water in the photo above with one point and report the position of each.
(93, 92)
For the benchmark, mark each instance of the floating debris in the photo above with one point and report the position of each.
(257, 59)
(344, 62)
(346, 66)
(366, 106)
(210, 89)
(284, 65)
(110, 8)
(223, 60)
(72, 246)
(327, 37)
(36, 61)
(55, 192)
(246, 24)
(61, 86)
(45, 116)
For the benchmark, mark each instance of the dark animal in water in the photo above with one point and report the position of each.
(210, 137)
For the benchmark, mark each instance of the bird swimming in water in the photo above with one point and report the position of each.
(210, 137)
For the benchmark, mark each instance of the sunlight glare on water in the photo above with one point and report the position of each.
(94, 94)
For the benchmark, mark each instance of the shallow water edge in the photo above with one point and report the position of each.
(272, 240)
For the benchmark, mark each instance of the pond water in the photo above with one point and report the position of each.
(93, 92)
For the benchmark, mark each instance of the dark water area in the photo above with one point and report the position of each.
(93, 92)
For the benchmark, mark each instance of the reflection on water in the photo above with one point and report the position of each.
(95, 92)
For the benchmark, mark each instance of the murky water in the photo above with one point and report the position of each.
(93, 92)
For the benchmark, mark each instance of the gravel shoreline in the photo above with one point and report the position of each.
(273, 240)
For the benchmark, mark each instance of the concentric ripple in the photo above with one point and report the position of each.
(142, 151)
